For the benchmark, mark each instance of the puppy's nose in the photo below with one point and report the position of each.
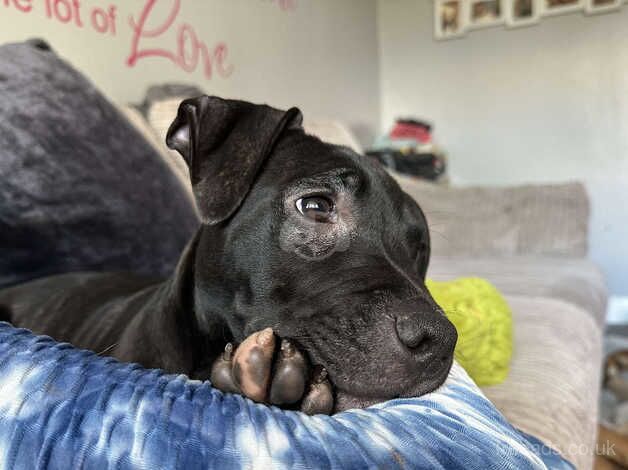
(426, 337)
(409, 331)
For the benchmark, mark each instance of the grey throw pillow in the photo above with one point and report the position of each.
(80, 188)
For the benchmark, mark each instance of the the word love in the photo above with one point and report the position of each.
(188, 52)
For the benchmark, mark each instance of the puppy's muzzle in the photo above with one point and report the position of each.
(406, 350)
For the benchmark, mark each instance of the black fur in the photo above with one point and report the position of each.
(336, 289)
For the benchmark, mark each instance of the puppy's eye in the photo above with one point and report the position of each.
(317, 208)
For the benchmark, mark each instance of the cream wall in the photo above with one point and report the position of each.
(320, 55)
(545, 103)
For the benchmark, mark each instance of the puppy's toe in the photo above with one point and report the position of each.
(288, 383)
(221, 375)
(319, 398)
(252, 364)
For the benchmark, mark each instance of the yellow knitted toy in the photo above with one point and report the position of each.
(484, 323)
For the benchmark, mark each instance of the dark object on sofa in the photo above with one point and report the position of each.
(422, 165)
(164, 91)
(80, 188)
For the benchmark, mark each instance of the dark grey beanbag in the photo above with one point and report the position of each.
(80, 189)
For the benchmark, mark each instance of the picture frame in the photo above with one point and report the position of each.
(594, 7)
(450, 18)
(454, 18)
(560, 7)
(485, 13)
(520, 13)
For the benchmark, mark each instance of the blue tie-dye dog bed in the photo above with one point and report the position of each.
(65, 408)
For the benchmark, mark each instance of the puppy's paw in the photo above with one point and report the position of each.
(281, 378)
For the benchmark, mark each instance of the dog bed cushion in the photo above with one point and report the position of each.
(484, 323)
(62, 408)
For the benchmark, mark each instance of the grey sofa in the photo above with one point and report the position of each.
(531, 242)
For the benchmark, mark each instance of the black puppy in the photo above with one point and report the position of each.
(307, 238)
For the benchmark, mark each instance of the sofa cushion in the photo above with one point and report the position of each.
(575, 280)
(172, 159)
(81, 188)
(493, 221)
(553, 387)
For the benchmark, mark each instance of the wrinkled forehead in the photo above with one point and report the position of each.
(302, 165)
(301, 160)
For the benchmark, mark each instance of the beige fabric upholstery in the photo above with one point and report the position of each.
(172, 159)
(525, 220)
(553, 387)
(159, 116)
(333, 132)
(137, 120)
(575, 280)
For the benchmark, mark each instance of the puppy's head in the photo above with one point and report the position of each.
(315, 241)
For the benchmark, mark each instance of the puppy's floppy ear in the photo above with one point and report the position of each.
(225, 143)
